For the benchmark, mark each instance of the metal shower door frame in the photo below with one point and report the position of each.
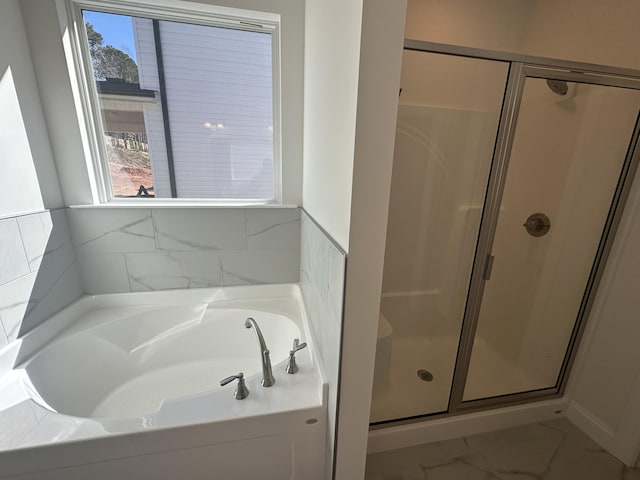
(521, 67)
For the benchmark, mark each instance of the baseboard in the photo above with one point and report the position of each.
(441, 429)
(601, 434)
(589, 424)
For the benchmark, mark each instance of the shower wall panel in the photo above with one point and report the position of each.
(447, 119)
(538, 170)
(434, 213)
(609, 115)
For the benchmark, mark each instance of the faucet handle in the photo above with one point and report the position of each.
(292, 366)
(241, 392)
(297, 346)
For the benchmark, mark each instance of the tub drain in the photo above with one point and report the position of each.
(425, 375)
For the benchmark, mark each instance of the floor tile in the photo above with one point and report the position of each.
(527, 449)
(631, 474)
(555, 450)
(435, 453)
(466, 467)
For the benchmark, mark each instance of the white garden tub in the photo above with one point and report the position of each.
(128, 384)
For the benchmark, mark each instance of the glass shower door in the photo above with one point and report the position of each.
(448, 117)
(568, 151)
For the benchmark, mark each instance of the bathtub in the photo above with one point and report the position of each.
(127, 385)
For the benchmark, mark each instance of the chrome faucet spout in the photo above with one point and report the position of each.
(267, 374)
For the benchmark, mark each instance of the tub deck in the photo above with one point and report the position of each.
(34, 438)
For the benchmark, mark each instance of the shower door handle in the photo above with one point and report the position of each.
(488, 267)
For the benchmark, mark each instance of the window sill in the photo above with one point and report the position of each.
(185, 204)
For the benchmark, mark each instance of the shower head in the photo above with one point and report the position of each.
(559, 87)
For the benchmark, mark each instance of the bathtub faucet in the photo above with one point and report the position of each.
(267, 375)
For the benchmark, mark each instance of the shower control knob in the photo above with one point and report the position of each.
(537, 224)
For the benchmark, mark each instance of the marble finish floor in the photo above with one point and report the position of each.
(554, 450)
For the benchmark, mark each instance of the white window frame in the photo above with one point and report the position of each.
(177, 11)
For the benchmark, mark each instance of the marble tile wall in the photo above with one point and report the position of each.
(322, 271)
(141, 249)
(38, 273)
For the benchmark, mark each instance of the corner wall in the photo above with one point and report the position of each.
(604, 387)
(352, 78)
(331, 56)
(38, 275)
(379, 81)
(28, 180)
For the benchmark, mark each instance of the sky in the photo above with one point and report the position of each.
(115, 29)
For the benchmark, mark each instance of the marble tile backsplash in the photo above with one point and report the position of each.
(38, 274)
(322, 271)
(141, 249)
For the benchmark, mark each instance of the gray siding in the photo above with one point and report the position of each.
(219, 93)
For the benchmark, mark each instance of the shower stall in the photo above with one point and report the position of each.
(509, 178)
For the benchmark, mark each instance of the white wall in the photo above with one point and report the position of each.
(331, 49)
(28, 180)
(605, 384)
(588, 31)
(379, 81)
(490, 24)
(585, 31)
(37, 272)
(57, 90)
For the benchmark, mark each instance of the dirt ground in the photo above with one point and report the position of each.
(129, 169)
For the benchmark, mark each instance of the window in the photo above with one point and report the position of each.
(181, 109)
